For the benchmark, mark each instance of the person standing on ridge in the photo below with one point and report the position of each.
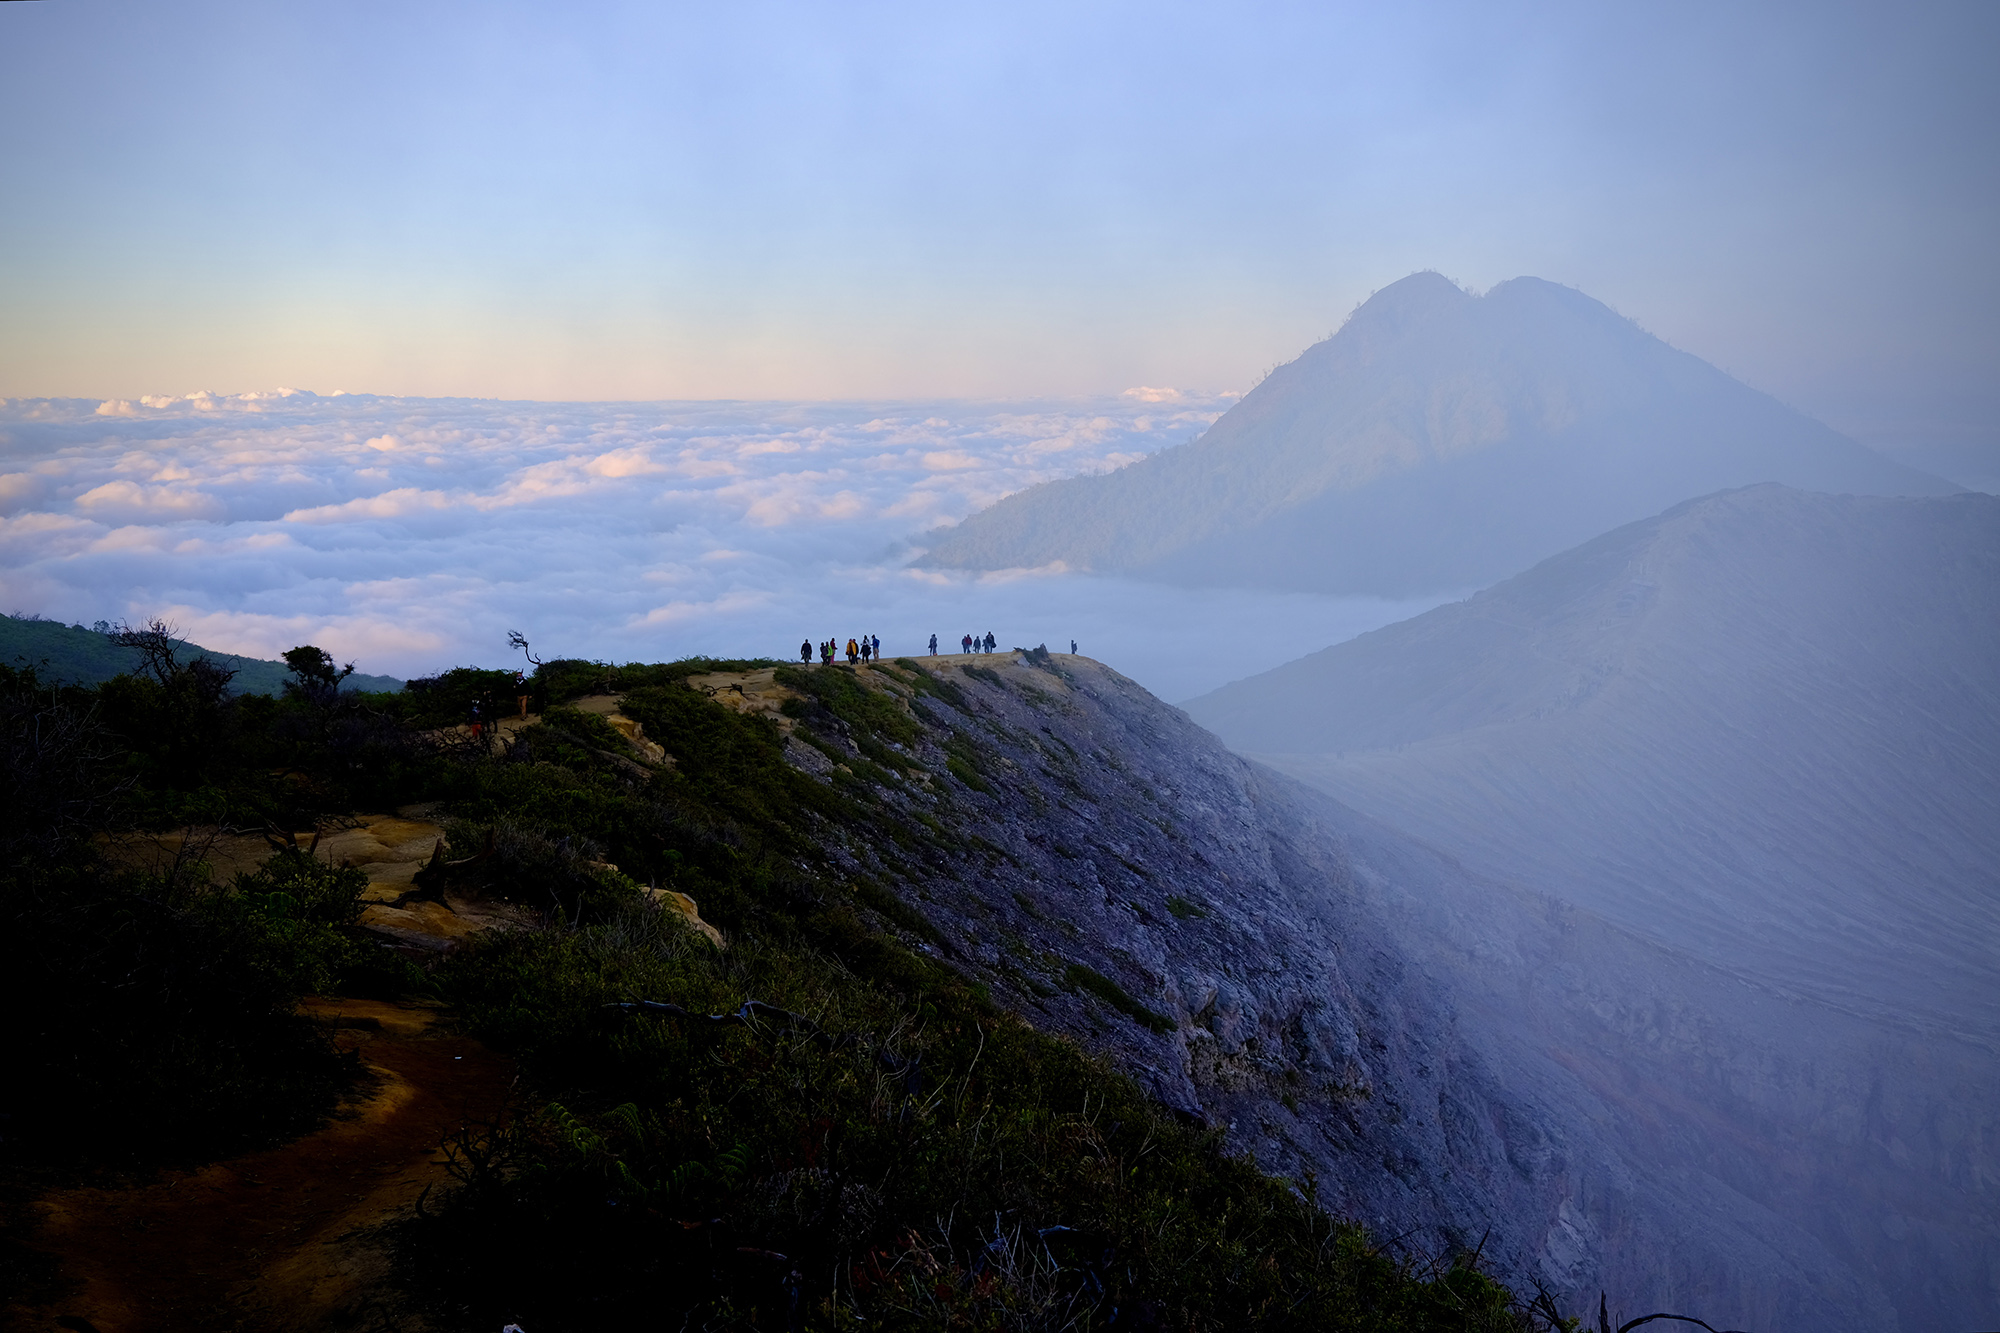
(965, 643)
(878, 647)
(1072, 647)
(933, 645)
(805, 650)
(990, 641)
(853, 652)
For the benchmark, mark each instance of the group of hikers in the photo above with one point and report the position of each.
(866, 648)
(869, 648)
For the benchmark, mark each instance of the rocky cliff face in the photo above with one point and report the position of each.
(1350, 1008)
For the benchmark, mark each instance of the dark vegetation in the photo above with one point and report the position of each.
(1079, 977)
(874, 1144)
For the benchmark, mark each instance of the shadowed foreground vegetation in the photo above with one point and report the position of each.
(872, 1144)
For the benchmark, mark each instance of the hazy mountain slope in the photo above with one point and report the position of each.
(85, 657)
(1815, 1169)
(1761, 734)
(1451, 1059)
(1763, 727)
(1437, 441)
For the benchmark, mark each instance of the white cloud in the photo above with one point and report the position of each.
(623, 531)
(949, 460)
(683, 612)
(254, 635)
(130, 499)
(635, 462)
(1146, 395)
(114, 407)
(402, 501)
(16, 489)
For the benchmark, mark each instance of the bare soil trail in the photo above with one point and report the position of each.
(284, 1238)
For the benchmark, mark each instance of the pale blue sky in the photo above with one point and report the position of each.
(585, 201)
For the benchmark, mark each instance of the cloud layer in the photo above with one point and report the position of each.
(412, 534)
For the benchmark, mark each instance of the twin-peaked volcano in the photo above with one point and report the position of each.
(1439, 441)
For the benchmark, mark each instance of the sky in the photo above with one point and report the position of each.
(659, 328)
(599, 201)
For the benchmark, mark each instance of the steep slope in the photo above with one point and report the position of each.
(1431, 1048)
(1763, 727)
(1438, 441)
(1760, 732)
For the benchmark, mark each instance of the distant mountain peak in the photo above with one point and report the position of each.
(1439, 441)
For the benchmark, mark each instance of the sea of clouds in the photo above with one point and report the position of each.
(410, 535)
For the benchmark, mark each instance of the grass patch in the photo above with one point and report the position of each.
(1078, 977)
(872, 712)
(894, 909)
(921, 679)
(965, 773)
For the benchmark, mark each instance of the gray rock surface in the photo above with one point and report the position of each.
(1453, 1062)
(1439, 441)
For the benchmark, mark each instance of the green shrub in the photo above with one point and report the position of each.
(921, 679)
(869, 712)
(156, 1015)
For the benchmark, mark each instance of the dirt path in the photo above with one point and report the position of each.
(276, 1239)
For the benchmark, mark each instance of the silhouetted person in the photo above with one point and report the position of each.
(866, 651)
(965, 643)
(933, 645)
(805, 650)
(990, 641)
(1072, 647)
